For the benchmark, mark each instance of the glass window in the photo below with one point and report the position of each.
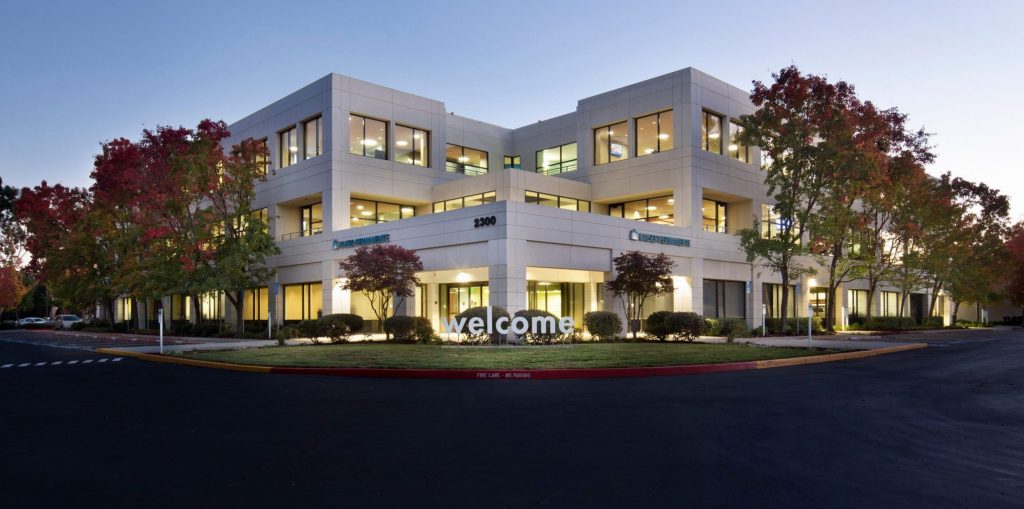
(367, 137)
(412, 146)
(439, 207)
(890, 304)
(453, 204)
(312, 218)
(737, 150)
(713, 213)
(654, 133)
(611, 143)
(555, 160)
(303, 301)
(512, 163)
(466, 160)
(858, 303)
(771, 221)
(256, 304)
(314, 130)
(261, 159)
(659, 210)
(562, 202)
(289, 147)
(725, 299)
(465, 201)
(819, 301)
(772, 295)
(711, 132)
(366, 212)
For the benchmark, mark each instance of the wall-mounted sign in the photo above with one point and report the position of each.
(658, 239)
(481, 222)
(361, 241)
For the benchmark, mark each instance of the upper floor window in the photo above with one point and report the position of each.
(367, 212)
(611, 143)
(737, 150)
(561, 202)
(412, 146)
(771, 221)
(289, 147)
(314, 130)
(465, 201)
(512, 163)
(654, 133)
(367, 137)
(711, 132)
(466, 160)
(660, 210)
(311, 220)
(555, 160)
(713, 215)
(260, 158)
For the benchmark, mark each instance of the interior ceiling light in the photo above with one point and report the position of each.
(370, 143)
(663, 136)
(671, 200)
(713, 136)
(401, 143)
(733, 147)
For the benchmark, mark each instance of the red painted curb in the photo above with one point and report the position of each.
(521, 374)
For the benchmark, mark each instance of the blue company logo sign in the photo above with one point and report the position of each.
(361, 241)
(658, 239)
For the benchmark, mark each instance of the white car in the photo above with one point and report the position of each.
(30, 320)
(66, 321)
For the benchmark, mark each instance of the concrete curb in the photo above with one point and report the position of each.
(521, 374)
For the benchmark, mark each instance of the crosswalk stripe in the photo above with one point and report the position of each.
(56, 363)
(72, 362)
(102, 360)
(23, 365)
(40, 364)
(116, 359)
(7, 365)
(87, 361)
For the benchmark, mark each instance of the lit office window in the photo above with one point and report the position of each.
(367, 137)
(890, 303)
(465, 201)
(561, 202)
(611, 143)
(737, 150)
(289, 147)
(256, 304)
(771, 222)
(660, 210)
(858, 303)
(725, 299)
(512, 163)
(367, 212)
(312, 220)
(261, 158)
(713, 215)
(819, 301)
(554, 160)
(459, 159)
(314, 130)
(302, 301)
(711, 132)
(772, 296)
(412, 146)
(654, 133)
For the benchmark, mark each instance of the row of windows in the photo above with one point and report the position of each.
(555, 160)
(465, 201)
(288, 142)
(660, 210)
(711, 136)
(367, 212)
(561, 202)
(654, 134)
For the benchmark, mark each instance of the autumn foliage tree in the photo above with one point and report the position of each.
(1015, 252)
(639, 276)
(384, 273)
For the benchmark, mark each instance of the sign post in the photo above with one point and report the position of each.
(810, 313)
(160, 323)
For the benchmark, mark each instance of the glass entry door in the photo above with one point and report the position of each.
(457, 298)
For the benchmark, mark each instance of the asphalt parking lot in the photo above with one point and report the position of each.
(940, 427)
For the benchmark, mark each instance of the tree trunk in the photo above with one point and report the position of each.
(785, 300)
(956, 310)
(135, 314)
(197, 310)
(237, 300)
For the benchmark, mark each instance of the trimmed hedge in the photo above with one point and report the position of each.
(817, 325)
(338, 326)
(728, 327)
(481, 312)
(552, 336)
(657, 327)
(685, 326)
(406, 329)
(603, 324)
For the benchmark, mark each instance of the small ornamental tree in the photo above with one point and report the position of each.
(383, 273)
(639, 276)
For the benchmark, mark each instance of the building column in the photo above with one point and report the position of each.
(506, 274)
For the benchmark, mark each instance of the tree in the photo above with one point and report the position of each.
(637, 277)
(801, 124)
(382, 272)
(12, 237)
(11, 288)
(1015, 252)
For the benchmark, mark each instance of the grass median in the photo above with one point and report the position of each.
(593, 355)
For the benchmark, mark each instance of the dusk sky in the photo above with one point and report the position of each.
(78, 73)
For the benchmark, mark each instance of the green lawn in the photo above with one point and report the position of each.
(381, 355)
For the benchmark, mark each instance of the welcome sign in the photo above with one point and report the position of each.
(503, 325)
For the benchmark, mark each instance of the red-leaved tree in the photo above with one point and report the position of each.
(384, 273)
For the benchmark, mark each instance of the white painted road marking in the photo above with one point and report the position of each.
(72, 362)
(56, 363)
(8, 365)
(87, 361)
(23, 365)
(116, 359)
(40, 364)
(102, 360)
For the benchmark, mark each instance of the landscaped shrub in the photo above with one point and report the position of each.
(481, 312)
(178, 328)
(817, 325)
(685, 326)
(407, 329)
(285, 333)
(339, 326)
(603, 324)
(552, 335)
(309, 329)
(207, 329)
(656, 326)
(711, 326)
(120, 327)
(728, 327)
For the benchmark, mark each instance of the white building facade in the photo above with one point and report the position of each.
(519, 218)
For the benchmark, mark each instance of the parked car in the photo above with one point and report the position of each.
(66, 321)
(31, 320)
